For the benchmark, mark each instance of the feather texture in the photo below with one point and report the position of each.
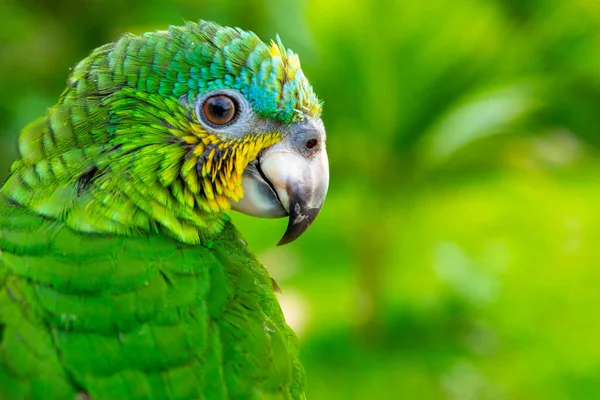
(137, 317)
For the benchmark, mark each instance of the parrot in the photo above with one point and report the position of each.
(121, 273)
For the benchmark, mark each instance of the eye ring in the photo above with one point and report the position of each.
(219, 109)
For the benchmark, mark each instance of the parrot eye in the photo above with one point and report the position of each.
(219, 109)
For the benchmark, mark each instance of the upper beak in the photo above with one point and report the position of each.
(289, 179)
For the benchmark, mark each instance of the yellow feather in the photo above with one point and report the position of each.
(223, 202)
(208, 192)
(190, 139)
(199, 149)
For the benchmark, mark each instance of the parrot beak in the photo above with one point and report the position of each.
(289, 178)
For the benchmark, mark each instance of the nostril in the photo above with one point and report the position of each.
(311, 143)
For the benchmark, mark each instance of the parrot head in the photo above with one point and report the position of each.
(172, 129)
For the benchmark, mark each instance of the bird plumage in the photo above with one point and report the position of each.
(144, 317)
(121, 275)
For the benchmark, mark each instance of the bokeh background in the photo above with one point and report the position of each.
(458, 253)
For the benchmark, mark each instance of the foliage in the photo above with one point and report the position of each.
(455, 256)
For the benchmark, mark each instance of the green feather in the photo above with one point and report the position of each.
(137, 317)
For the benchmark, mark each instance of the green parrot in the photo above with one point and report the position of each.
(121, 275)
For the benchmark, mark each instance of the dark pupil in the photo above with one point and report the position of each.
(220, 109)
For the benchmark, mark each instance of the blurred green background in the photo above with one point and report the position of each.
(457, 254)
